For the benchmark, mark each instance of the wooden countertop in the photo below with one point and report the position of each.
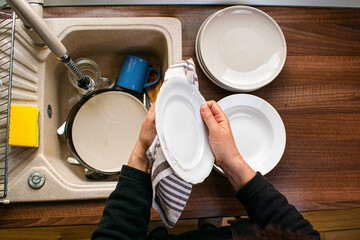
(317, 95)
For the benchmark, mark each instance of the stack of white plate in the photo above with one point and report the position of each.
(240, 48)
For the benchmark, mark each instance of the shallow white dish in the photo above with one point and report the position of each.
(105, 130)
(206, 72)
(201, 62)
(242, 48)
(182, 133)
(258, 130)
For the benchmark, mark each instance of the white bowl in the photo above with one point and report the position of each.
(258, 130)
(241, 48)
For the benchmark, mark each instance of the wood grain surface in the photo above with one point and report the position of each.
(317, 95)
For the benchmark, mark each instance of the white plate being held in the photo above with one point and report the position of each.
(242, 47)
(182, 133)
(258, 130)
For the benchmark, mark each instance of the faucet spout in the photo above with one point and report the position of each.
(27, 14)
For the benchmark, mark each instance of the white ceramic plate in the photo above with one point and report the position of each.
(201, 62)
(206, 71)
(242, 47)
(182, 133)
(258, 130)
(106, 128)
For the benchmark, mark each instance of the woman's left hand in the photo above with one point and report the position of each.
(147, 135)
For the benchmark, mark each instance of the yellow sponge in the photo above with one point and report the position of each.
(24, 126)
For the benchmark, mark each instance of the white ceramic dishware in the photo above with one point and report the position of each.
(182, 133)
(105, 130)
(258, 130)
(240, 48)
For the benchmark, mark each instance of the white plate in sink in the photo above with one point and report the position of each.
(106, 128)
(258, 130)
(182, 133)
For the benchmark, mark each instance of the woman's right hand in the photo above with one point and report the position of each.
(222, 143)
(220, 136)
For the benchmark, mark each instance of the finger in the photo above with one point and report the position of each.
(208, 117)
(210, 103)
(152, 108)
(150, 116)
(218, 113)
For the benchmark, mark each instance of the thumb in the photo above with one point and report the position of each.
(208, 117)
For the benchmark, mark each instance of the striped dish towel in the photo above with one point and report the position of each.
(170, 192)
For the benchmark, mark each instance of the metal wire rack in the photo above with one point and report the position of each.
(7, 32)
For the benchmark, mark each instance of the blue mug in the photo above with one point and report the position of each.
(134, 74)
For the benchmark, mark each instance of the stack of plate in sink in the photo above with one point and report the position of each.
(240, 48)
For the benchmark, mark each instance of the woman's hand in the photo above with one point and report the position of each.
(220, 136)
(222, 143)
(148, 130)
(147, 135)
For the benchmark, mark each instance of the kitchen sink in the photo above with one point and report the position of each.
(39, 79)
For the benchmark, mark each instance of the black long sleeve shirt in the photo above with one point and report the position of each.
(127, 210)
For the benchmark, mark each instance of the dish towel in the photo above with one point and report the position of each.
(170, 192)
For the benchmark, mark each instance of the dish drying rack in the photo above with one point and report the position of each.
(7, 32)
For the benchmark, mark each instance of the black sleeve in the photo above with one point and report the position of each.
(127, 210)
(267, 206)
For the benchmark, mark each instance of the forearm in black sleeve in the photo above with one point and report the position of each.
(127, 210)
(267, 206)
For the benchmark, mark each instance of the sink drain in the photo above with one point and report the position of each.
(36, 180)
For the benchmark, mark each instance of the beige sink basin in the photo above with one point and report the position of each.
(41, 80)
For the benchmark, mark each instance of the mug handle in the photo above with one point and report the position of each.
(158, 77)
